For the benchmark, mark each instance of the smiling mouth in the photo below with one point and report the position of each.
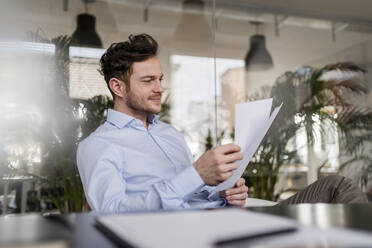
(156, 101)
(155, 98)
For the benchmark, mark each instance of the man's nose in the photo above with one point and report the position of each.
(159, 86)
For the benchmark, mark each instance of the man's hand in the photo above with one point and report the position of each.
(217, 164)
(237, 195)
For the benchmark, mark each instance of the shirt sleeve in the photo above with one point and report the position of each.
(203, 198)
(105, 188)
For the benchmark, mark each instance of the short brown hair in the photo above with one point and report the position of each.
(117, 61)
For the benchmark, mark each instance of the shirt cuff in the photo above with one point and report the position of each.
(214, 197)
(224, 202)
(187, 182)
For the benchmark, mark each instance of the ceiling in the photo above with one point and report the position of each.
(358, 11)
(353, 15)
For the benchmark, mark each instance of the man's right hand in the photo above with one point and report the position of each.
(217, 164)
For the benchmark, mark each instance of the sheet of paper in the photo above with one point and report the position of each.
(191, 228)
(252, 121)
(249, 118)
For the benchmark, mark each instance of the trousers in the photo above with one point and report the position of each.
(329, 189)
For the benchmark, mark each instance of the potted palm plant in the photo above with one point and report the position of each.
(311, 94)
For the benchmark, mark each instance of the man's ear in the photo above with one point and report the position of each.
(117, 86)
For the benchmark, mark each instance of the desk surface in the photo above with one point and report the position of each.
(357, 216)
(78, 230)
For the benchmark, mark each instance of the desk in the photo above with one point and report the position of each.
(78, 230)
(74, 230)
(357, 216)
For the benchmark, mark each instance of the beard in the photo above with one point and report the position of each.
(142, 105)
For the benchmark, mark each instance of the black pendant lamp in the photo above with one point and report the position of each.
(258, 57)
(193, 33)
(85, 34)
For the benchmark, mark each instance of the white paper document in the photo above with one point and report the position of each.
(252, 121)
(191, 228)
(202, 228)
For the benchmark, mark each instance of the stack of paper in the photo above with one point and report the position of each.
(252, 121)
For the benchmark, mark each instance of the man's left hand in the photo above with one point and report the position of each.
(237, 195)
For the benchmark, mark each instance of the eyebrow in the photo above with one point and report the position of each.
(151, 76)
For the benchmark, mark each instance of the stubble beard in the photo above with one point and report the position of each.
(138, 106)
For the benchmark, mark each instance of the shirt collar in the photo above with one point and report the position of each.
(120, 119)
(153, 119)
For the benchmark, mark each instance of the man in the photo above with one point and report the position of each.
(134, 162)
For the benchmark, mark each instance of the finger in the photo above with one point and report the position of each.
(240, 182)
(236, 203)
(228, 167)
(228, 148)
(241, 196)
(225, 176)
(223, 193)
(237, 190)
(232, 157)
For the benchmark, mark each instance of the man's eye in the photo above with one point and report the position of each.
(147, 81)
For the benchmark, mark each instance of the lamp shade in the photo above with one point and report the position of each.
(193, 35)
(85, 33)
(258, 58)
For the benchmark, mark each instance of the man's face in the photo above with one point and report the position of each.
(145, 91)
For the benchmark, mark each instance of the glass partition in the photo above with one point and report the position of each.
(214, 54)
(319, 68)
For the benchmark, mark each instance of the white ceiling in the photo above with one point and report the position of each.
(359, 11)
(356, 14)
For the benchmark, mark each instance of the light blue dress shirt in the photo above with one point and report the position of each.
(125, 167)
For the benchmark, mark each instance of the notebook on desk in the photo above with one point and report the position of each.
(199, 228)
